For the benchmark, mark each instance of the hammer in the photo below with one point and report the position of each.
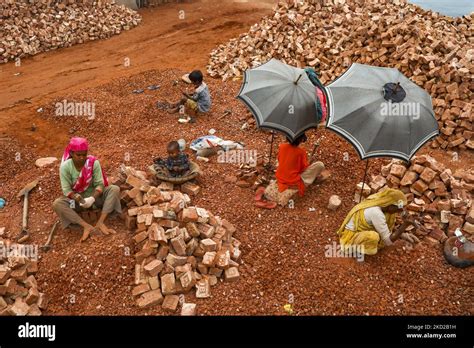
(48, 245)
(24, 234)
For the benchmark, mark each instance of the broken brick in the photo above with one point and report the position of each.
(232, 274)
(150, 298)
(154, 267)
(168, 284)
(188, 309)
(170, 303)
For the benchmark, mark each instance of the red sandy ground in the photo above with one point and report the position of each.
(283, 249)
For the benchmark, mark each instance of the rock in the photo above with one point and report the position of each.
(45, 161)
(334, 202)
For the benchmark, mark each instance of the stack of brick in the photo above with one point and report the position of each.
(433, 50)
(179, 247)
(32, 27)
(19, 294)
(250, 176)
(441, 198)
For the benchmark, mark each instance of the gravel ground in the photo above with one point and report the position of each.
(283, 249)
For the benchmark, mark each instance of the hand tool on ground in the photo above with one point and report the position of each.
(48, 245)
(24, 234)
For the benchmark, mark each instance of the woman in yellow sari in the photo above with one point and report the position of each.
(369, 225)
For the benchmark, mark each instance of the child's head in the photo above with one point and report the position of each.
(196, 77)
(173, 149)
(296, 142)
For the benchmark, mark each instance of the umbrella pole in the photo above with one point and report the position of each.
(271, 150)
(363, 181)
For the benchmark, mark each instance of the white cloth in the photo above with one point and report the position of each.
(375, 217)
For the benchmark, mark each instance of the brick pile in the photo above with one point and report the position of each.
(179, 247)
(32, 27)
(432, 50)
(19, 294)
(441, 198)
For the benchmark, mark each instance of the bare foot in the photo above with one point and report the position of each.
(172, 110)
(87, 231)
(104, 229)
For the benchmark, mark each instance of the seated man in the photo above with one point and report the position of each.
(293, 174)
(369, 225)
(84, 185)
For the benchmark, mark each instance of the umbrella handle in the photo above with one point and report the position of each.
(296, 82)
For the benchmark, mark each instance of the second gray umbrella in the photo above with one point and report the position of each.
(381, 112)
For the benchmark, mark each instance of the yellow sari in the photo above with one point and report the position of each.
(364, 235)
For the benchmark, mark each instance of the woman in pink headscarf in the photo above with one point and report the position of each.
(84, 186)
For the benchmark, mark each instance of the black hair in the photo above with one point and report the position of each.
(196, 76)
(298, 140)
(172, 146)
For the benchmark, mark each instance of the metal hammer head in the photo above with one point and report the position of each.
(27, 188)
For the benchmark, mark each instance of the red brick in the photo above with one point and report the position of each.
(170, 304)
(228, 226)
(208, 245)
(203, 289)
(232, 274)
(417, 168)
(4, 274)
(153, 268)
(419, 186)
(20, 307)
(470, 216)
(206, 231)
(175, 260)
(150, 298)
(438, 234)
(203, 269)
(154, 282)
(192, 229)
(209, 258)
(428, 175)
(398, 170)
(163, 251)
(223, 258)
(33, 296)
(189, 215)
(409, 178)
(168, 284)
(179, 245)
(468, 227)
(140, 237)
(188, 309)
(140, 289)
(187, 280)
(190, 189)
(168, 223)
(42, 301)
(191, 246)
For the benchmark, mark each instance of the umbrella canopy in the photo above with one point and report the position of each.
(381, 112)
(280, 97)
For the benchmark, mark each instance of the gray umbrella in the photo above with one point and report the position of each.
(381, 112)
(280, 97)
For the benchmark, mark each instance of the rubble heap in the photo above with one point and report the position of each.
(179, 247)
(32, 27)
(433, 50)
(442, 198)
(19, 294)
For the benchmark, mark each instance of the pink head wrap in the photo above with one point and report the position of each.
(75, 144)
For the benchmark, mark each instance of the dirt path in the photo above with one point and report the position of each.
(164, 40)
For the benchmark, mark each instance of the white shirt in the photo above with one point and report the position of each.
(375, 217)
